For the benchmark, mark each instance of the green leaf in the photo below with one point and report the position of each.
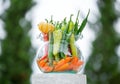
(83, 24)
(76, 22)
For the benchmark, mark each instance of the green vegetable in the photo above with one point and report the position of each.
(63, 27)
(57, 35)
(64, 23)
(72, 45)
(76, 23)
(65, 35)
(83, 24)
(71, 26)
(50, 50)
(71, 37)
(64, 44)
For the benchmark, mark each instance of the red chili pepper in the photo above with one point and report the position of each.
(46, 38)
(44, 57)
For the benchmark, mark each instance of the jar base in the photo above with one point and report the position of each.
(65, 72)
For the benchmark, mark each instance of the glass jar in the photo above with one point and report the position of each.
(59, 55)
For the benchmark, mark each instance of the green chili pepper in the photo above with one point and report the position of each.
(83, 24)
(76, 23)
(72, 45)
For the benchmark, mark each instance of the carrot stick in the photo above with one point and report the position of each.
(77, 65)
(63, 67)
(54, 63)
(60, 63)
(41, 63)
(47, 68)
(67, 59)
(73, 62)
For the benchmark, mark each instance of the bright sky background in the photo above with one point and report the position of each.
(60, 9)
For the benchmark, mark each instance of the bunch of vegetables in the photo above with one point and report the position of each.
(61, 54)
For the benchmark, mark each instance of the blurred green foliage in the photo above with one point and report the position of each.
(102, 66)
(15, 67)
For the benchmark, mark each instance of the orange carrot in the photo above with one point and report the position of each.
(73, 62)
(63, 67)
(67, 59)
(41, 63)
(60, 63)
(54, 62)
(77, 65)
(47, 68)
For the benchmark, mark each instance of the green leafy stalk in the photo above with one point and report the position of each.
(63, 24)
(57, 35)
(83, 24)
(76, 23)
(63, 45)
(50, 50)
(51, 21)
(70, 24)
